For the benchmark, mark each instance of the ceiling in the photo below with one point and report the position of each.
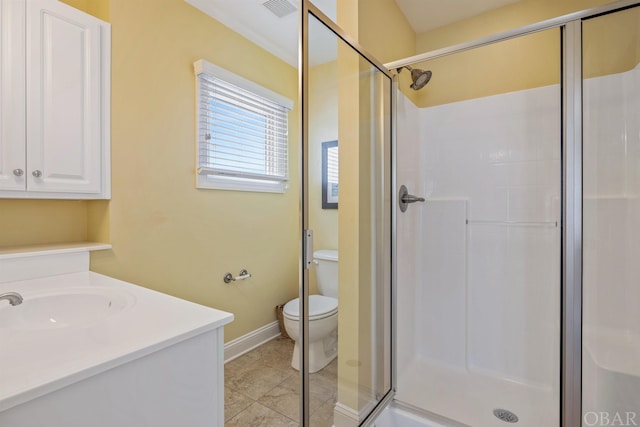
(279, 34)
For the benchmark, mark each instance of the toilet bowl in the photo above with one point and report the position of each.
(323, 315)
(323, 330)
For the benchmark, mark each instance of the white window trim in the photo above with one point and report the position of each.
(218, 182)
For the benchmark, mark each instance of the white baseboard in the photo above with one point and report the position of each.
(236, 348)
(344, 416)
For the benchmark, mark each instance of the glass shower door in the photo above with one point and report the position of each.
(347, 204)
(611, 215)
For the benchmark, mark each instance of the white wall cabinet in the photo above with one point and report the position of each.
(55, 102)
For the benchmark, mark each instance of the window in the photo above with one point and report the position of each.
(242, 133)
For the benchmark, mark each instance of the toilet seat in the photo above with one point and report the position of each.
(320, 307)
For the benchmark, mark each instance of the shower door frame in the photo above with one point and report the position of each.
(572, 178)
(307, 10)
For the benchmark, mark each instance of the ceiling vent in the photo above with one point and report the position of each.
(280, 8)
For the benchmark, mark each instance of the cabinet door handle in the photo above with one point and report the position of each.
(18, 172)
(36, 173)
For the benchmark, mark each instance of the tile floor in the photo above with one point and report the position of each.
(262, 389)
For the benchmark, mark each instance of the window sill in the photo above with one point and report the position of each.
(213, 182)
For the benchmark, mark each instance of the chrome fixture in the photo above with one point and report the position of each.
(14, 298)
(36, 173)
(406, 198)
(244, 274)
(420, 77)
(18, 172)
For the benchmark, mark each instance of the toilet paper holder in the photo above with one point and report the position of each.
(244, 274)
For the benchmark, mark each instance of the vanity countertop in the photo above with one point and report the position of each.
(36, 360)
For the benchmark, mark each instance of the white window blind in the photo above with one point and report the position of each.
(242, 128)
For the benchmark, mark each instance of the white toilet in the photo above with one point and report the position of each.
(323, 315)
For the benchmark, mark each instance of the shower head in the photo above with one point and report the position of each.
(420, 77)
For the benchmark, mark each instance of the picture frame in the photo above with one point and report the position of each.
(330, 175)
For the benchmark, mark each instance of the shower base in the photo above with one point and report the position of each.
(611, 371)
(470, 398)
(401, 415)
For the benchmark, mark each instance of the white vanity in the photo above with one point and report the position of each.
(84, 349)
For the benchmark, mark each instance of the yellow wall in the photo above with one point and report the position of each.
(323, 126)
(518, 64)
(512, 16)
(381, 30)
(98, 8)
(30, 222)
(348, 117)
(385, 33)
(522, 63)
(349, 218)
(166, 234)
(79, 4)
(599, 34)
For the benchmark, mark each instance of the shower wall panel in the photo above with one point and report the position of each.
(488, 283)
(409, 226)
(444, 322)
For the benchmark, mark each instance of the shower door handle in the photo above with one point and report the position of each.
(406, 198)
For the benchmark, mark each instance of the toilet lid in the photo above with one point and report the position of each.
(319, 307)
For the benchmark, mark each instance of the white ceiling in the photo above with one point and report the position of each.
(279, 36)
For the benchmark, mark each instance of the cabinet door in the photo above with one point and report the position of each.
(64, 82)
(12, 95)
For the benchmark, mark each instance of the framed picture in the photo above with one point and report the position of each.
(330, 175)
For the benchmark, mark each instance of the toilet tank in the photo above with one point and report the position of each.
(326, 262)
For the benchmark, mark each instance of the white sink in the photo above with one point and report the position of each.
(64, 308)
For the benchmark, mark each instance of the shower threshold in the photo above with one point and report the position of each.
(471, 398)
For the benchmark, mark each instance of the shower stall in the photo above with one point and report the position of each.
(517, 292)
(479, 330)
(512, 295)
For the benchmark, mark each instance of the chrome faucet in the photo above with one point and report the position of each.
(14, 298)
